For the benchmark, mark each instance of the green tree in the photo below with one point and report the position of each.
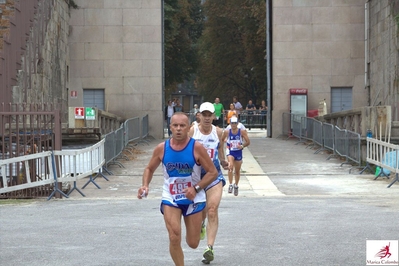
(232, 50)
(182, 29)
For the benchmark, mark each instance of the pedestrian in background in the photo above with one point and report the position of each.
(230, 113)
(197, 119)
(237, 106)
(169, 111)
(183, 195)
(195, 109)
(193, 113)
(263, 113)
(219, 111)
(178, 106)
(250, 113)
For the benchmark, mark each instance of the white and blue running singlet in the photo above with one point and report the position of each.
(180, 171)
(234, 141)
(211, 144)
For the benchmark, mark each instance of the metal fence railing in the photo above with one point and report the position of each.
(132, 130)
(250, 119)
(385, 156)
(253, 119)
(340, 142)
(52, 168)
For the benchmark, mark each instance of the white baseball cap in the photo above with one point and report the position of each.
(233, 119)
(207, 106)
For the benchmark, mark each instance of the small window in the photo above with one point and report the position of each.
(93, 98)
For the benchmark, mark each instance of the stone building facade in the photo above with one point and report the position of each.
(382, 55)
(318, 46)
(116, 51)
(334, 46)
(115, 47)
(42, 68)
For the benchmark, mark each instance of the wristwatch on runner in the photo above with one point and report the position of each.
(197, 188)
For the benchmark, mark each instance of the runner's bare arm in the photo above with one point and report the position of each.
(224, 135)
(191, 132)
(221, 153)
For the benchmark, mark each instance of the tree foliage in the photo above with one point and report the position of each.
(232, 50)
(183, 21)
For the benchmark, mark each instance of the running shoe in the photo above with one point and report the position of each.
(208, 255)
(203, 231)
(230, 188)
(204, 261)
(235, 190)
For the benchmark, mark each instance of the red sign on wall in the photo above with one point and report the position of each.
(298, 91)
(74, 94)
(79, 113)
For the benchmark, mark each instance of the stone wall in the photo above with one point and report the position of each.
(116, 45)
(44, 67)
(316, 45)
(384, 55)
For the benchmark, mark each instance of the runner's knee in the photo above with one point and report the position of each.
(192, 243)
(174, 237)
(212, 212)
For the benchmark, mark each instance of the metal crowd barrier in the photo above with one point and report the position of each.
(71, 165)
(307, 128)
(341, 147)
(353, 150)
(318, 135)
(253, 119)
(328, 138)
(132, 130)
(120, 142)
(144, 127)
(296, 126)
(144, 130)
(286, 126)
(53, 168)
(110, 151)
(341, 142)
(35, 170)
(384, 155)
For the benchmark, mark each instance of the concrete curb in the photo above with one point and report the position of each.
(258, 180)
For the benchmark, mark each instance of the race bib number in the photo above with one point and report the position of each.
(234, 145)
(211, 153)
(176, 189)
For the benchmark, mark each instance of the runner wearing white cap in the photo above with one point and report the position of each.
(235, 145)
(211, 138)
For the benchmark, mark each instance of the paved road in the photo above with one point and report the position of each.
(294, 208)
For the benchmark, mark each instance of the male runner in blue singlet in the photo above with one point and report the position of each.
(183, 195)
